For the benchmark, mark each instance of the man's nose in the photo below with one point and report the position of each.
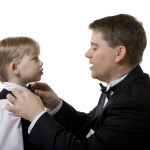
(88, 54)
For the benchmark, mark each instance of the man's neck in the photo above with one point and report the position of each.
(119, 73)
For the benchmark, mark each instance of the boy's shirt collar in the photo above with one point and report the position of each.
(10, 86)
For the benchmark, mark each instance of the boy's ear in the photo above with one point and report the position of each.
(120, 53)
(14, 68)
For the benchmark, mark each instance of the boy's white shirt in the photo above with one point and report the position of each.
(11, 137)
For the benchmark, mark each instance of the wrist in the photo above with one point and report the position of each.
(58, 102)
(37, 113)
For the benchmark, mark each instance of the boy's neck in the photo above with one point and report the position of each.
(18, 83)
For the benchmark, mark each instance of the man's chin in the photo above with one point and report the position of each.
(92, 75)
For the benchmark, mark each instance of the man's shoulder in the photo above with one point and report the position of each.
(142, 82)
(138, 90)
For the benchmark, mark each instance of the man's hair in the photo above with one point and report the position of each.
(125, 30)
(13, 49)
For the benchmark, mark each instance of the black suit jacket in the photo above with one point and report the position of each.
(25, 125)
(123, 124)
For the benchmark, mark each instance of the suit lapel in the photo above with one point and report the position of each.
(132, 76)
(100, 105)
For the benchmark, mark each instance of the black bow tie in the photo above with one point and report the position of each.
(108, 92)
(29, 87)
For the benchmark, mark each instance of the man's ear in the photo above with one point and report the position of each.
(14, 68)
(120, 54)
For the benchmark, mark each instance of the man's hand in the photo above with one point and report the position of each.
(27, 105)
(47, 95)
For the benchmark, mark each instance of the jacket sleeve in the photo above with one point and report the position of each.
(126, 125)
(47, 134)
(71, 119)
(59, 132)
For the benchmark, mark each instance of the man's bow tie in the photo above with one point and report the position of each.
(108, 92)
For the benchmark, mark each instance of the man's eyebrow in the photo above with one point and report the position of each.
(94, 44)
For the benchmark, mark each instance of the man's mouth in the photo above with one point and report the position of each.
(91, 65)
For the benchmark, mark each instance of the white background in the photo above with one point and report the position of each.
(61, 29)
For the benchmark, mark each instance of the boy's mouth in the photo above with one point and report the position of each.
(41, 72)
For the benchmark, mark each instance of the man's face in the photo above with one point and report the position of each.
(101, 56)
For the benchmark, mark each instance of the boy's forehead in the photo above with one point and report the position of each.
(33, 51)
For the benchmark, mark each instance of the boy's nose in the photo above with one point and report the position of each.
(40, 63)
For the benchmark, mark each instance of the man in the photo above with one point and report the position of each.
(121, 120)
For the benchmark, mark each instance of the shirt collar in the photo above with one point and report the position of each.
(10, 86)
(113, 83)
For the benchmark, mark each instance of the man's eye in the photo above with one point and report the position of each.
(94, 48)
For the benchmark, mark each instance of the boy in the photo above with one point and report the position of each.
(19, 65)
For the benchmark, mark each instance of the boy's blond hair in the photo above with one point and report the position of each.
(13, 49)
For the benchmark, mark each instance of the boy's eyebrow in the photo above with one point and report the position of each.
(33, 54)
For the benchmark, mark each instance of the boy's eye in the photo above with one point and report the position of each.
(35, 58)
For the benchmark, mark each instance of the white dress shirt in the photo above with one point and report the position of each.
(11, 137)
(111, 84)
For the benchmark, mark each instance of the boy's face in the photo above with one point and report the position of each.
(30, 69)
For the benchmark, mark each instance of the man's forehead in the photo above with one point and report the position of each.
(96, 37)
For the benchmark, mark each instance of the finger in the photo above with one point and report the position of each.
(40, 93)
(13, 101)
(41, 86)
(19, 94)
(25, 90)
(11, 98)
(16, 93)
(37, 85)
(34, 86)
(10, 108)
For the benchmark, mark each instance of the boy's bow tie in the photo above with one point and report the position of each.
(29, 87)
